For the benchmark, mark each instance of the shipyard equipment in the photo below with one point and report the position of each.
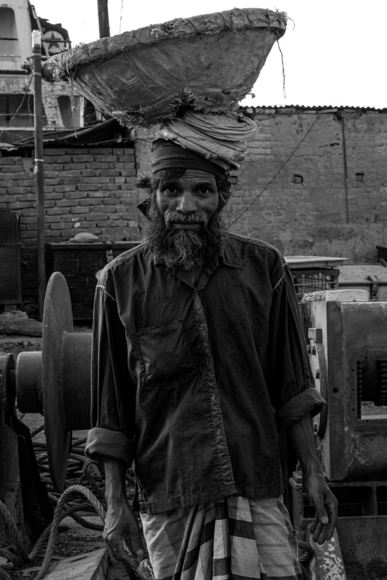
(347, 347)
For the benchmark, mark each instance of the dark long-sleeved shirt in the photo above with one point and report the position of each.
(191, 381)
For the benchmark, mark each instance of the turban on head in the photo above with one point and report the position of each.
(169, 155)
(213, 142)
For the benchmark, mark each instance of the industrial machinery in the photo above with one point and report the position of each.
(347, 335)
(347, 346)
(54, 382)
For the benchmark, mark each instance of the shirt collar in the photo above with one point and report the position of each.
(229, 255)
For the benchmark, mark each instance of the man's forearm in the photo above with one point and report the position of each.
(115, 488)
(304, 445)
(120, 523)
(315, 486)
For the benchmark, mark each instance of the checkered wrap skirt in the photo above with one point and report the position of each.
(232, 539)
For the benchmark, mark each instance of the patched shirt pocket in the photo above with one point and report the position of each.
(164, 352)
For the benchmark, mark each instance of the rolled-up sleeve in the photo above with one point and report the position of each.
(112, 394)
(291, 386)
(308, 402)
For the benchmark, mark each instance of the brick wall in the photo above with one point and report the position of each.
(325, 214)
(294, 177)
(88, 190)
(322, 213)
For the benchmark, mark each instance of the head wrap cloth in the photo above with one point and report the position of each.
(212, 142)
(177, 157)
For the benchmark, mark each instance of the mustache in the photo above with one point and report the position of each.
(179, 218)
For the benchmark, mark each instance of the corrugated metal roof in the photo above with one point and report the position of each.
(327, 108)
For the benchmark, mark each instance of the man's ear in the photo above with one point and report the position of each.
(144, 207)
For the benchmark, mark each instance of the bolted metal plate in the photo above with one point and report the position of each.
(57, 319)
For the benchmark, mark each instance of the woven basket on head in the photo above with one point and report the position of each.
(208, 62)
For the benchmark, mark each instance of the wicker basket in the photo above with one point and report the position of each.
(209, 62)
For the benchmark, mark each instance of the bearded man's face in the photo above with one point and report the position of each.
(184, 228)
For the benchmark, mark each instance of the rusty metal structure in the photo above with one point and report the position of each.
(347, 346)
(53, 382)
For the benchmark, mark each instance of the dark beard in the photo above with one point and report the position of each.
(180, 248)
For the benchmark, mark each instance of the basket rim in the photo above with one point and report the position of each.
(66, 63)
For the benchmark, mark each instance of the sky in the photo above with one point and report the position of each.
(334, 50)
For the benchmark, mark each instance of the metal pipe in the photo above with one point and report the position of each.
(38, 169)
(103, 18)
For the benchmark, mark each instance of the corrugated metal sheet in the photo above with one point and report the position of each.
(309, 108)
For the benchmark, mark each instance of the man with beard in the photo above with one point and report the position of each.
(199, 366)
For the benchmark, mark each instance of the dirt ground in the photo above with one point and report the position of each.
(17, 344)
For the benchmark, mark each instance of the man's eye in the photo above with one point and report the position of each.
(204, 190)
(170, 190)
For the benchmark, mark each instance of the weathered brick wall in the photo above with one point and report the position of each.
(324, 214)
(88, 190)
(321, 215)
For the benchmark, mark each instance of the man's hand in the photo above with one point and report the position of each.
(121, 527)
(325, 504)
(315, 486)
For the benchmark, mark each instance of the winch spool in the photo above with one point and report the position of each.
(56, 381)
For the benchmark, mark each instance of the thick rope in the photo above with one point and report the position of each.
(69, 503)
(89, 525)
(40, 543)
(4, 575)
(74, 489)
(14, 534)
(91, 472)
(4, 553)
(70, 511)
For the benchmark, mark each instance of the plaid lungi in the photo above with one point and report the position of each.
(231, 539)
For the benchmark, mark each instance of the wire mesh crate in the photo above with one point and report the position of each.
(306, 281)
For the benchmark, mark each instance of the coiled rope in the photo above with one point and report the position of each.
(74, 489)
(84, 480)
(15, 536)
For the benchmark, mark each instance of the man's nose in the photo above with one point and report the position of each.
(187, 203)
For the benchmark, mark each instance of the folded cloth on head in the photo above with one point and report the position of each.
(167, 155)
(220, 137)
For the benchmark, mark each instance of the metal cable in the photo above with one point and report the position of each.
(67, 504)
(40, 543)
(4, 575)
(74, 489)
(89, 525)
(10, 556)
(14, 534)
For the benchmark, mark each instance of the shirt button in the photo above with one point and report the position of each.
(218, 431)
